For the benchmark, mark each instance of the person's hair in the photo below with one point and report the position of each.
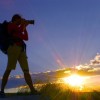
(15, 17)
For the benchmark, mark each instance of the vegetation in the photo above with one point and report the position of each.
(63, 92)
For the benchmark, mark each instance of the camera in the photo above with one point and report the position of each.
(24, 21)
(30, 21)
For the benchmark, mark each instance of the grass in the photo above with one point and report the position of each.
(59, 91)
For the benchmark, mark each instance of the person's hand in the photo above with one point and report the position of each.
(24, 22)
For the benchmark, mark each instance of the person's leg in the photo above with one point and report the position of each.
(24, 65)
(5, 79)
(29, 81)
(13, 53)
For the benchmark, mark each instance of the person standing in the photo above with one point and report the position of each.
(17, 51)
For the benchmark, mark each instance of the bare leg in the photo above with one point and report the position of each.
(5, 79)
(24, 66)
(29, 81)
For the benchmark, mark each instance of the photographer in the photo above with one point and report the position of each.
(16, 51)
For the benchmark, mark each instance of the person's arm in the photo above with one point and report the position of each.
(24, 35)
(18, 32)
(23, 32)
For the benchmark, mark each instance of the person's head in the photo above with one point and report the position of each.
(16, 19)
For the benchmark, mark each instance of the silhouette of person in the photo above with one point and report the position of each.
(16, 51)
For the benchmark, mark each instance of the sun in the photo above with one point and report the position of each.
(74, 80)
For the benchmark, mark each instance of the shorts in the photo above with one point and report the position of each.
(15, 54)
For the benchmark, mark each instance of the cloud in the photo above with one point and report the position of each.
(96, 60)
(92, 66)
(83, 67)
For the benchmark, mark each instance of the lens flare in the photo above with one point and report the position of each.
(74, 81)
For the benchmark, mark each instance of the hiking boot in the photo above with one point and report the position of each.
(2, 94)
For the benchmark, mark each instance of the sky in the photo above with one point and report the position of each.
(66, 33)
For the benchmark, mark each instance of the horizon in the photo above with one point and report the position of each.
(85, 82)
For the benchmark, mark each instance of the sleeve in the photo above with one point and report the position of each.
(24, 34)
(18, 32)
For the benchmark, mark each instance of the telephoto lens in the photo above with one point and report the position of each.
(30, 21)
